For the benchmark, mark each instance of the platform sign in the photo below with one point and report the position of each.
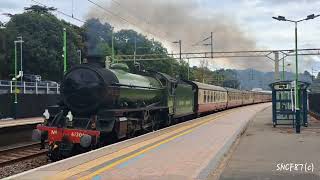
(281, 86)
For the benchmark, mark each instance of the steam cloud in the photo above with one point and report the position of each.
(169, 20)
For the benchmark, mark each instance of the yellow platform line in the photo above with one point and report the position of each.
(129, 149)
(99, 171)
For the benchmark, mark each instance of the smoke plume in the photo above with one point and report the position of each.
(172, 20)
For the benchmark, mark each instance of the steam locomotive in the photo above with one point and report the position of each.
(102, 105)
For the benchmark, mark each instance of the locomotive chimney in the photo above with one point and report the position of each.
(96, 59)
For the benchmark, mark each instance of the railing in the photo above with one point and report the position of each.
(22, 87)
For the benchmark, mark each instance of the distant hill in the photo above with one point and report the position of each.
(251, 78)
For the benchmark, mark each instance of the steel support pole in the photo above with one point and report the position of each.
(21, 62)
(112, 46)
(297, 107)
(180, 54)
(211, 37)
(276, 63)
(64, 50)
(15, 81)
(135, 50)
(297, 72)
(188, 69)
(283, 72)
(80, 54)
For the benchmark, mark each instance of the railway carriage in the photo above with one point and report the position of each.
(265, 96)
(258, 97)
(209, 98)
(234, 98)
(247, 97)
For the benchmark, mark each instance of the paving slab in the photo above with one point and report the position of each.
(20, 122)
(277, 153)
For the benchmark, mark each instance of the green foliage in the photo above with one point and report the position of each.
(42, 48)
(3, 64)
(39, 9)
(97, 37)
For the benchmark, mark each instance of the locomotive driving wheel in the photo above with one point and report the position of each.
(155, 122)
(169, 120)
(131, 129)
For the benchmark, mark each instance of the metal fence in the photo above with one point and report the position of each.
(22, 87)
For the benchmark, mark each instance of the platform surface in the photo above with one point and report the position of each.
(265, 152)
(189, 150)
(19, 122)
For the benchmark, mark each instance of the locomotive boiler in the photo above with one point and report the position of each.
(88, 88)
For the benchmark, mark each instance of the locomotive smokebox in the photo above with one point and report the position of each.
(87, 87)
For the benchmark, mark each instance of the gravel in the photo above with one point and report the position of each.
(22, 166)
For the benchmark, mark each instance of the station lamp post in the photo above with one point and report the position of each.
(112, 44)
(180, 55)
(283, 69)
(64, 50)
(21, 62)
(79, 52)
(297, 100)
(16, 75)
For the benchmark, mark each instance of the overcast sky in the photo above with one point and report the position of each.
(252, 16)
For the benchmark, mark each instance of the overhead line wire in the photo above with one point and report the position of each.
(61, 12)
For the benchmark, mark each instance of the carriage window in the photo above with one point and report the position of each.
(204, 96)
(211, 96)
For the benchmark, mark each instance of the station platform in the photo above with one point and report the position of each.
(264, 152)
(20, 122)
(189, 150)
(19, 131)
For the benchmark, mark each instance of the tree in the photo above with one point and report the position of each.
(202, 73)
(3, 64)
(39, 9)
(95, 34)
(43, 43)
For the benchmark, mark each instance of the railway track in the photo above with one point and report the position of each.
(16, 154)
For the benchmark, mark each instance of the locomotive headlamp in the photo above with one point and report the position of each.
(46, 114)
(69, 119)
(69, 116)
